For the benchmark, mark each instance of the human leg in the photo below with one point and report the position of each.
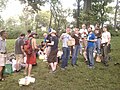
(64, 57)
(29, 69)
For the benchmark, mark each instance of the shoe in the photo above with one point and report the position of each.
(16, 71)
(117, 63)
(63, 69)
(76, 65)
(91, 67)
(106, 64)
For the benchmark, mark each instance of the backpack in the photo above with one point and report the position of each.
(28, 47)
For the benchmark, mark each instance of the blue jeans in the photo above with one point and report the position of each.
(75, 54)
(90, 51)
(65, 56)
(97, 46)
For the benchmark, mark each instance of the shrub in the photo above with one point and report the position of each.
(13, 34)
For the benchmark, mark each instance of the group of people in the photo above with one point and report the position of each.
(84, 41)
(92, 44)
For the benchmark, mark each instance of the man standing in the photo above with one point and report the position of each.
(83, 44)
(19, 52)
(2, 52)
(90, 47)
(66, 49)
(76, 47)
(105, 42)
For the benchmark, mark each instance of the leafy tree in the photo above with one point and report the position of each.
(58, 15)
(116, 11)
(98, 13)
(35, 4)
(2, 4)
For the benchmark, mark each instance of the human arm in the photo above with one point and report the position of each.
(109, 39)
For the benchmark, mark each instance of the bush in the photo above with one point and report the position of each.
(13, 34)
(112, 31)
(115, 33)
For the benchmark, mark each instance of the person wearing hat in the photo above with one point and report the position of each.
(31, 58)
(3, 51)
(48, 40)
(19, 52)
(52, 57)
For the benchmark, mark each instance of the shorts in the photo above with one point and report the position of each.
(2, 59)
(19, 58)
(52, 56)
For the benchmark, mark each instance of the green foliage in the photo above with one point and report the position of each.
(97, 14)
(13, 34)
(43, 18)
(2, 4)
(113, 32)
(35, 4)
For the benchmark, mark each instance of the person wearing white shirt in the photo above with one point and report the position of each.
(66, 49)
(105, 42)
(83, 42)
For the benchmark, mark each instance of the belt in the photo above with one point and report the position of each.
(2, 52)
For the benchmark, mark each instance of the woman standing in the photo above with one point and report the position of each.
(105, 42)
(52, 57)
(31, 58)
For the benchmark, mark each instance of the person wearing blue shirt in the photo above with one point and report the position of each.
(90, 47)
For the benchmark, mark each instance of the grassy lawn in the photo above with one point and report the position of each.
(78, 78)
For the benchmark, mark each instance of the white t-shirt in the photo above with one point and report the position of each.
(65, 37)
(105, 37)
(83, 33)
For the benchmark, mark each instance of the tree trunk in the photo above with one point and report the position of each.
(50, 18)
(115, 19)
(78, 13)
(87, 5)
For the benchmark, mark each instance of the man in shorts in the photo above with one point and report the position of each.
(19, 52)
(3, 51)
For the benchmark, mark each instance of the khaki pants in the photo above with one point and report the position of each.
(19, 58)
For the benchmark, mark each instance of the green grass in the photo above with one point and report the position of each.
(78, 78)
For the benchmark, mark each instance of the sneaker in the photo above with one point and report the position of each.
(91, 67)
(106, 64)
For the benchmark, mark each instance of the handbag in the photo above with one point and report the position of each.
(98, 59)
(71, 42)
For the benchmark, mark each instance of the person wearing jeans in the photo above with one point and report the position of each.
(66, 55)
(90, 47)
(66, 49)
(98, 43)
(76, 47)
